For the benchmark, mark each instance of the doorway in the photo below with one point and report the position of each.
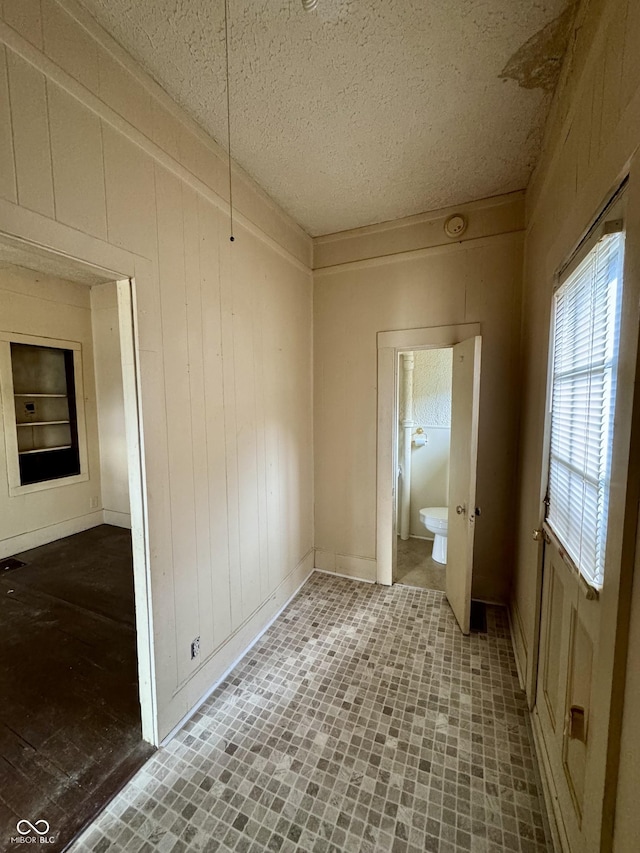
(585, 560)
(440, 499)
(423, 445)
(76, 709)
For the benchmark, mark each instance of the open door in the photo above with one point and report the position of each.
(465, 399)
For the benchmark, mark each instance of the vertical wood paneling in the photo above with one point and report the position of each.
(25, 17)
(275, 515)
(31, 145)
(630, 64)
(596, 85)
(178, 411)
(577, 159)
(224, 368)
(231, 423)
(301, 345)
(201, 161)
(274, 376)
(69, 46)
(199, 450)
(303, 389)
(130, 194)
(244, 303)
(261, 311)
(296, 387)
(166, 130)
(78, 174)
(613, 58)
(124, 93)
(8, 187)
(214, 418)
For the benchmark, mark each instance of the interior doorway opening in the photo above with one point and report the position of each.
(78, 717)
(457, 517)
(422, 448)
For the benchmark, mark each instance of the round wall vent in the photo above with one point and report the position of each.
(455, 225)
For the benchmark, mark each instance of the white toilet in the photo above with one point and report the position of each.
(435, 519)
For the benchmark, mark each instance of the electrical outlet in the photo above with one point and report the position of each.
(195, 648)
(93, 503)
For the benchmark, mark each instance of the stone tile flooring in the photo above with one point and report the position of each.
(362, 721)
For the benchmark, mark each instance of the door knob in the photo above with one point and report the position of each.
(461, 509)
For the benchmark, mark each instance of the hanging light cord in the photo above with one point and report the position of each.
(226, 49)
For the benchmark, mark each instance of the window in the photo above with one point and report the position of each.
(585, 351)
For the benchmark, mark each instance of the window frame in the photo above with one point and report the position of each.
(610, 221)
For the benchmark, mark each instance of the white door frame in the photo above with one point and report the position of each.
(91, 261)
(390, 344)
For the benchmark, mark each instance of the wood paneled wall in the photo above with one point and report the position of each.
(87, 140)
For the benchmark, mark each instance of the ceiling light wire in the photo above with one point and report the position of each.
(226, 50)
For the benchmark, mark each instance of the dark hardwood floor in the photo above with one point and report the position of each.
(70, 733)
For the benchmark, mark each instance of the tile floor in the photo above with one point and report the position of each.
(362, 721)
(415, 566)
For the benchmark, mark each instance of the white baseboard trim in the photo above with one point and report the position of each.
(185, 719)
(346, 565)
(341, 575)
(117, 519)
(514, 646)
(44, 535)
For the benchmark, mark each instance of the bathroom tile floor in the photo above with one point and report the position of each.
(416, 567)
(361, 721)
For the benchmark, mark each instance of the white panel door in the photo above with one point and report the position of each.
(465, 399)
(583, 534)
(568, 649)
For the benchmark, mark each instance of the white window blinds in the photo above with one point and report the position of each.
(585, 351)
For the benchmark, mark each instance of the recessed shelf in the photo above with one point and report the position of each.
(44, 449)
(41, 423)
(45, 416)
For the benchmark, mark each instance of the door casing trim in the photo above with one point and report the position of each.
(389, 344)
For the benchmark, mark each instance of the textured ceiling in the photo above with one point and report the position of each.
(362, 110)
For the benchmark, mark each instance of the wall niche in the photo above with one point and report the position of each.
(41, 383)
(45, 407)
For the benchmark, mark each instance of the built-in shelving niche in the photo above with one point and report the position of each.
(45, 411)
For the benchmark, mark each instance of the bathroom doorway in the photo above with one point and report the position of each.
(423, 447)
(426, 504)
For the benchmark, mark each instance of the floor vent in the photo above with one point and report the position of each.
(10, 563)
(478, 617)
